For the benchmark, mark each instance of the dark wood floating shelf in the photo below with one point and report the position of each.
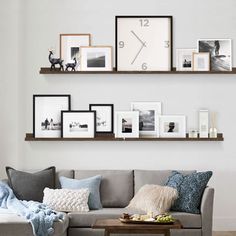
(30, 137)
(46, 70)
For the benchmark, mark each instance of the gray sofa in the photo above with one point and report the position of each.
(117, 189)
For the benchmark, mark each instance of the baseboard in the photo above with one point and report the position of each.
(224, 224)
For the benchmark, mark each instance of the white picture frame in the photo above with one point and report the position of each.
(127, 124)
(172, 126)
(149, 113)
(220, 53)
(96, 58)
(201, 61)
(184, 59)
(78, 124)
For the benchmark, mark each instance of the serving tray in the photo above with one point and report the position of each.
(128, 221)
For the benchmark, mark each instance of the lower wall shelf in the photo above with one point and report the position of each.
(30, 137)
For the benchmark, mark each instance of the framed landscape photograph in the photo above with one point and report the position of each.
(70, 47)
(78, 124)
(149, 113)
(184, 59)
(127, 124)
(104, 117)
(220, 52)
(96, 58)
(201, 61)
(47, 114)
(172, 126)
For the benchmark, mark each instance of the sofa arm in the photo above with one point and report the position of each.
(207, 211)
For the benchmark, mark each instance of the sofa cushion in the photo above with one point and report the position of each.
(65, 173)
(116, 188)
(159, 177)
(86, 219)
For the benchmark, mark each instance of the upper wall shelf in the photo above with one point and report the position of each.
(46, 70)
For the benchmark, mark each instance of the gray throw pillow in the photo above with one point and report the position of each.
(30, 186)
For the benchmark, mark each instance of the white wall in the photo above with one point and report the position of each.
(39, 26)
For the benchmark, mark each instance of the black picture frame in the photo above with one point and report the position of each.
(112, 117)
(145, 16)
(77, 111)
(68, 96)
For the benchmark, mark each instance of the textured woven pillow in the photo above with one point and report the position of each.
(153, 198)
(190, 189)
(66, 199)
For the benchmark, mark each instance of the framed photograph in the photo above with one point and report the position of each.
(173, 126)
(220, 52)
(47, 114)
(127, 124)
(96, 58)
(184, 59)
(149, 113)
(201, 61)
(78, 124)
(143, 43)
(70, 47)
(104, 117)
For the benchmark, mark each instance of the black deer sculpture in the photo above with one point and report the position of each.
(55, 61)
(71, 65)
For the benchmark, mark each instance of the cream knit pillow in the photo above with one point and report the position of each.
(154, 198)
(66, 199)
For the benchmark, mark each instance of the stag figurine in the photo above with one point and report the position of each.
(55, 61)
(71, 65)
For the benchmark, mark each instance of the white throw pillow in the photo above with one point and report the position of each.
(67, 199)
(154, 198)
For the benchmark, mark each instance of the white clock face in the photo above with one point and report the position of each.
(143, 43)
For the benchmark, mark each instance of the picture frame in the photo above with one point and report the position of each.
(104, 117)
(70, 47)
(201, 61)
(47, 114)
(78, 124)
(173, 126)
(220, 53)
(144, 43)
(127, 124)
(184, 59)
(96, 58)
(149, 113)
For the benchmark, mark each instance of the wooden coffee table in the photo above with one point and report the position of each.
(114, 226)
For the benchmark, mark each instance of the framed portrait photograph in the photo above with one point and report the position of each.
(78, 124)
(184, 59)
(127, 124)
(149, 113)
(220, 52)
(104, 117)
(201, 61)
(47, 114)
(70, 47)
(172, 126)
(96, 58)
(143, 43)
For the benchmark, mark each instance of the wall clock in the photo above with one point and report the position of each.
(143, 43)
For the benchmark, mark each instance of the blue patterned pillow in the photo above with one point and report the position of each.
(190, 189)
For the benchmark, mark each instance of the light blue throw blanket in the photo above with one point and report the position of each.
(39, 215)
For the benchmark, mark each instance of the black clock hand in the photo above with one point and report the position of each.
(143, 43)
(138, 53)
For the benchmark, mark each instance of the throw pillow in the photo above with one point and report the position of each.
(30, 186)
(66, 199)
(190, 189)
(153, 198)
(92, 184)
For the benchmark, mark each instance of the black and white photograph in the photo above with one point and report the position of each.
(74, 53)
(96, 58)
(148, 117)
(104, 117)
(47, 114)
(127, 124)
(184, 59)
(220, 53)
(78, 124)
(172, 126)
